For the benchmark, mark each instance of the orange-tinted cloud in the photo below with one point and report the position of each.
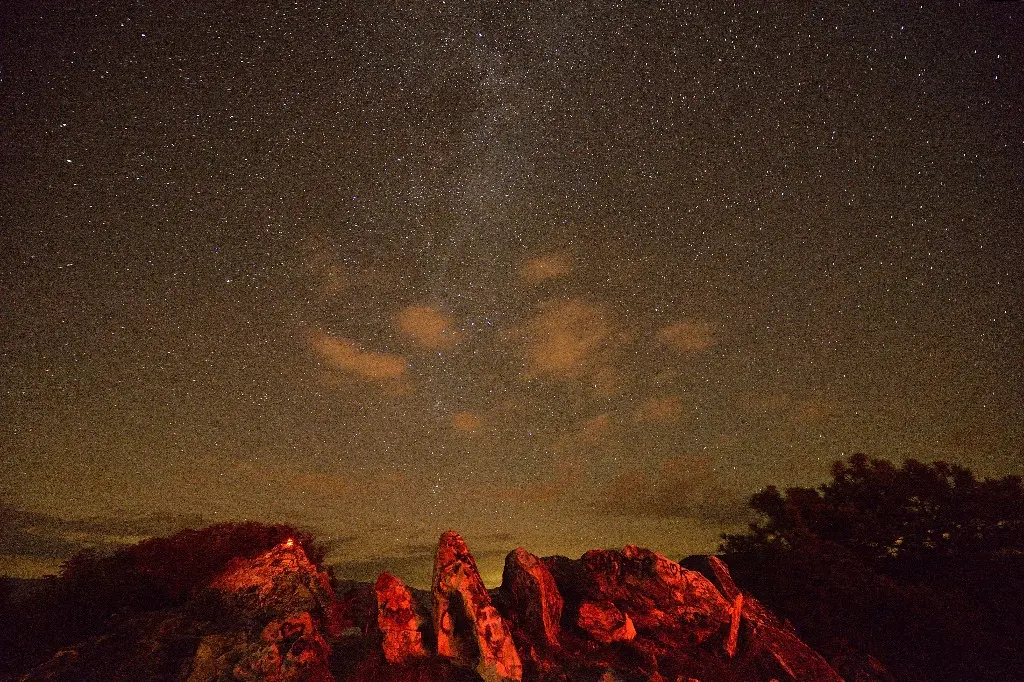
(466, 422)
(569, 340)
(427, 326)
(324, 484)
(347, 356)
(546, 267)
(661, 410)
(596, 429)
(684, 486)
(687, 336)
(806, 410)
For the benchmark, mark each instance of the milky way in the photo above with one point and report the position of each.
(556, 277)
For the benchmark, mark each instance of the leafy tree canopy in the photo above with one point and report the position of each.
(919, 564)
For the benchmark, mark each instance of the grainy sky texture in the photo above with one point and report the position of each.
(558, 275)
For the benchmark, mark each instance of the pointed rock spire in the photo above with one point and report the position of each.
(470, 631)
(527, 583)
(398, 621)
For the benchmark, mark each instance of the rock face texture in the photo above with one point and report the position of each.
(528, 584)
(285, 586)
(398, 621)
(736, 619)
(657, 593)
(765, 635)
(629, 615)
(260, 619)
(470, 631)
(605, 623)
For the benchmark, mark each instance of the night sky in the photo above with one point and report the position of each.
(555, 275)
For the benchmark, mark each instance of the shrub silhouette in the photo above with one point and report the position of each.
(154, 574)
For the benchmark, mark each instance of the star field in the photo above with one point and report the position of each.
(556, 276)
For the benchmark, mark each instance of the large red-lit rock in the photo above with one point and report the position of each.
(281, 580)
(605, 623)
(657, 593)
(535, 603)
(286, 586)
(398, 620)
(763, 635)
(470, 631)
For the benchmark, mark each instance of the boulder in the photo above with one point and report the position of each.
(764, 635)
(657, 593)
(283, 585)
(282, 580)
(470, 631)
(535, 605)
(289, 650)
(397, 619)
(605, 623)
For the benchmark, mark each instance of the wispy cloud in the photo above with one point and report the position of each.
(466, 422)
(687, 336)
(346, 355)
(427, 326)
(572, 339)
(547, 266)
(684, 486)
(660, 410)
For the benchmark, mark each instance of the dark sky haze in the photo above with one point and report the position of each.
(558, 275)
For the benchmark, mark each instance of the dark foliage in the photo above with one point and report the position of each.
(920, 565)
(152, 575)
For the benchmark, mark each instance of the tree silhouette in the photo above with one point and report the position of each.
(921, 565)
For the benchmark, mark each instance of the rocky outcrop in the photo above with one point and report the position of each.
(527, 584)
(657, 593)
(398, 620)
(289, 648)
(767, 640)
(281, 580)
(260, 619)
(629, 614)
(470, 631)
(293, 595)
